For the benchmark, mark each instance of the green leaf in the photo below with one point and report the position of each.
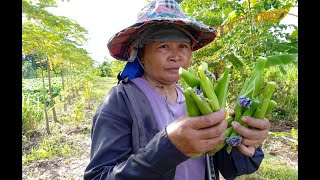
(222, 2)
(281, 59)
(232, 15)
(295, 33)
(287, 47)
(282, 70)
(225, 12)
(234, 60)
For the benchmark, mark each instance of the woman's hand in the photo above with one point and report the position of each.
(253, 135)
(194, 135)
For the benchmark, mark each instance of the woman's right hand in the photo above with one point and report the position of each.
(194, 135)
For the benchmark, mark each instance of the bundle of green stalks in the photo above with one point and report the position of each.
(205, 94)
(254, 100)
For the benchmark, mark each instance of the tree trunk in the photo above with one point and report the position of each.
(68, 84)
(64, 100)
(45, 104)
(50, 92)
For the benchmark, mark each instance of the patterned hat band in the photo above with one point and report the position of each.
(161, 8)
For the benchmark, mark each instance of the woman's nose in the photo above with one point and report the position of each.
(175, 55)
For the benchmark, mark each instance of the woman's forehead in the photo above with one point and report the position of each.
(167, 42)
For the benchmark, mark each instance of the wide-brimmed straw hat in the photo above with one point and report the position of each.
(157, 12)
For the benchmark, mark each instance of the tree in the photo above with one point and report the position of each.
(54, 39)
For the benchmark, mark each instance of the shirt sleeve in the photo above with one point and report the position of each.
(236, 164)
(111, 149)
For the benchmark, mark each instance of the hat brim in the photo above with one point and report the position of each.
(119, 43)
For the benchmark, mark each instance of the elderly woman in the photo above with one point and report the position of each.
(141, 131)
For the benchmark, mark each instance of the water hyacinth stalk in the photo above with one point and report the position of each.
(191, 79)
(238, 110)
(207, 87)
(220, 146)
(203, 95)
(267, 93)
(271, 106)
(249, 112)
(235, 139)
(253, 88)
(222, 85)
(191, 106)
(230, 120)
(201, 102)
(250, 89)
(261, 62)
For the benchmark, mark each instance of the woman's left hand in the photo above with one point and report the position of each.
(253, 135)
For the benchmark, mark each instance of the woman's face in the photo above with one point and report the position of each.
(162, 60)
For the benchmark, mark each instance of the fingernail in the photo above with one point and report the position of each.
(244, 119)
(234, 123)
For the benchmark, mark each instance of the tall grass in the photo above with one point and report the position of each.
(272, 168)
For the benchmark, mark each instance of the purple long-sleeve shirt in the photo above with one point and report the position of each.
(192, 168)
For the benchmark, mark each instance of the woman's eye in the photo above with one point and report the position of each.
(164, 46)
(184, 46)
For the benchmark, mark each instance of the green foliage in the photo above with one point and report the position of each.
(117, 67)
(281, 59)
(271, 168)
(33, 89)
(244, 33)
(286, 94)
(245, 37)
(101, 87)
(50, 147)
(106, 69)
(32, 114)
(28, 72)
(294, 135)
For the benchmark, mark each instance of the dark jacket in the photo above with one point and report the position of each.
(127, 143)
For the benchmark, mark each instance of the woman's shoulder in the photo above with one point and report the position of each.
(123, 88)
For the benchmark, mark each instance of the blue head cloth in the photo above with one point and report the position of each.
(131, 70)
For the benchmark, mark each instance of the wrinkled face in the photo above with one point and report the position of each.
(162, 60)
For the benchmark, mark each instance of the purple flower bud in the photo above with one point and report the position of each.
(210, 74)
(197, 91)
(234, 141)
(244, 102)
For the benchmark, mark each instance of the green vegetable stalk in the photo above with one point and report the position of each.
(271, 106)
(221, 87)
(233, 139)
(201, 102)
(202, 97)
(191, 79)
(249, 103)
(268, 91)
(207, 88)
(220, 146)
(191, 107)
